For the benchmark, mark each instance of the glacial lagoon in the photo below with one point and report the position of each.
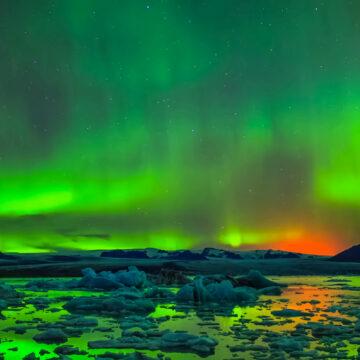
(251, 331)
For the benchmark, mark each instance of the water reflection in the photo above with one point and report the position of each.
(311, 294)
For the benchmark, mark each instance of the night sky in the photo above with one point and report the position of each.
(179, 124)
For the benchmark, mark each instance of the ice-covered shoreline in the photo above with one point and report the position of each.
(70, 263)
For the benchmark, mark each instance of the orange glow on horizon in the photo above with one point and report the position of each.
(310, 244)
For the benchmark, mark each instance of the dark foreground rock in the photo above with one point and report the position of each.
(51, 336)
(177, 341)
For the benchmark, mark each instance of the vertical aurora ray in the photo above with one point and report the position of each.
(179, 124)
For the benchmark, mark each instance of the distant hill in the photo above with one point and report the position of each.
(217, 253)
(271, 254)
(205, 254)
(69, 263)
(349, 255)
(153, 254)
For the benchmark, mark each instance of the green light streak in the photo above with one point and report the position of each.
(155, 128)
(237, 238)
(36, 203)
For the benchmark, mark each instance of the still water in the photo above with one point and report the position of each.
(246, 325)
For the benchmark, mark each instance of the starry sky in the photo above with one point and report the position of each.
(179, 124)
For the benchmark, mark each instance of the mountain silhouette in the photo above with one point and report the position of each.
(349, 255)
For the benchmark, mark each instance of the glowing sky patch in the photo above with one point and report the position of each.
(179, 124)
(40, 203)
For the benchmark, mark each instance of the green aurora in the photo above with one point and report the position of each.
(179, 124)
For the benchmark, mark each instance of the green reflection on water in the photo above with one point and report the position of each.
(216, 322)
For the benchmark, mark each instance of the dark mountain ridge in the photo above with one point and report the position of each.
(349, 255)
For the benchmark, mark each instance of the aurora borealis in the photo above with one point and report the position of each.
(179, 124)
